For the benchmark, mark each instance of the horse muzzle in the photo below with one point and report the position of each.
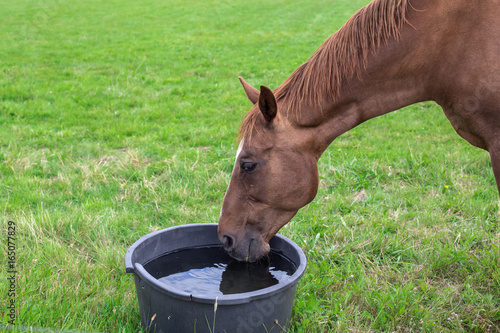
(247, 249)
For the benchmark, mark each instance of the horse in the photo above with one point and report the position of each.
(389, 54)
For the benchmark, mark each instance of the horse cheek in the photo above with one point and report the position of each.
(306, 180)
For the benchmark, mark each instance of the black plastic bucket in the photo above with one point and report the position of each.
(164, 309)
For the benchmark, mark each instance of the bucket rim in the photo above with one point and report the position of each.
(240, 298)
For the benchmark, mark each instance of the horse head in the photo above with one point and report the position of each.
(275, 174)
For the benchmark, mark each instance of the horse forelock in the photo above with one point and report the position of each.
(248, 125)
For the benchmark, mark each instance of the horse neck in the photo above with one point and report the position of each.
(393, 78)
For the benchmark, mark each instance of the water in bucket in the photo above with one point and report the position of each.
(210, 271)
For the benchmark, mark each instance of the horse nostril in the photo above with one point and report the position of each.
(227, 242)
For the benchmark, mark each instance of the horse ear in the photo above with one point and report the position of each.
(252, 93)
(267, 103)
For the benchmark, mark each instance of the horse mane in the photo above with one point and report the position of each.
(343, 55)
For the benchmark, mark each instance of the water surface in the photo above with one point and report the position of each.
(211, 272)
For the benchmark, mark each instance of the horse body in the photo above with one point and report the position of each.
(390, 54)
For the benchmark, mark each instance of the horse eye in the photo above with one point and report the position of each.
(248, 166)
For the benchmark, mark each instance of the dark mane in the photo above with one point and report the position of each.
(341, 56)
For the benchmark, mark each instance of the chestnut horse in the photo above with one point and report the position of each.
(390, 54)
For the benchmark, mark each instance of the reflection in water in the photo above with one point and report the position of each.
(212, 272)
(242, 277)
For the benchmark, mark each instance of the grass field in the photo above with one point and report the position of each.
(118, 118)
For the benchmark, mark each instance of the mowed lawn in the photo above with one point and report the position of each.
(119, 118)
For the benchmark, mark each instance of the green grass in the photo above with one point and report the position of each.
(118, 118)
